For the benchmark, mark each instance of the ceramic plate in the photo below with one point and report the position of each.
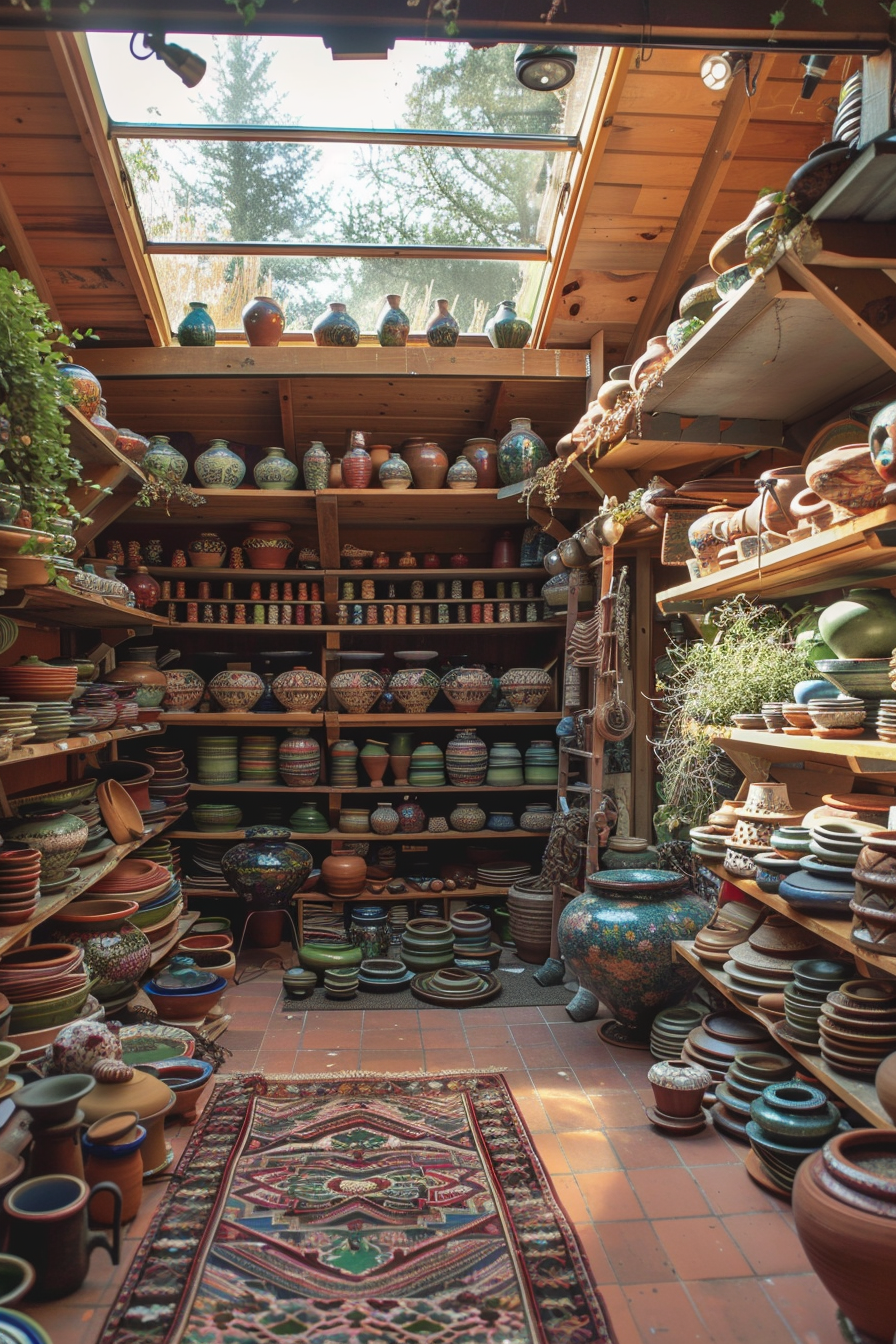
(152, 1044)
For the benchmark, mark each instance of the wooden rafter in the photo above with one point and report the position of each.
(19, 253)
(727, 134)
(75, 69)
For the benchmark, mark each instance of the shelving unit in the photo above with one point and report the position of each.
(384, 721)
(49, 605)
(72, 745)
(413, 837)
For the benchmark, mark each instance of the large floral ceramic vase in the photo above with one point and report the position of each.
(521, 452)
(617, 937)
(266, 868)
(164, 461)
(116, 952)
(218, 468)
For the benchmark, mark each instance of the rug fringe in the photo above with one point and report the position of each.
(362, 1073)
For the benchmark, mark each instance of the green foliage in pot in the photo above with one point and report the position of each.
(751, 660)
(36, 454)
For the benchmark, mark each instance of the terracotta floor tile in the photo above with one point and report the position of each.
(619, 1316)
(571, 1198)
(643, 1148)
(730, 1190)
(325, 1061)
(738, 1311)
(664, 1310)
(66, 1322)
(402, 1038)
(609, 1196)
(276, 1061)
(534, 1114)
(596, 1081)
(587, 1150)
(396, 1061)
(543, 1056)
(442, 1036)
(668, 1192)
(707, 1149)
(700, 1248)
(532, 1034)
(806, 1305)
(769, 1243)
(497, 1058)
(519, 1015)
(454, 1057)
(553, 1158)
(636, 1253)
(490, 1033)
(596, 1256)
(618, 1109)
(481, 1016)
(391, 1019)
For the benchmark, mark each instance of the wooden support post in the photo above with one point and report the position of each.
(642, 669)
(596, 367)
(854, 297)
(19, 254)
(328, 530)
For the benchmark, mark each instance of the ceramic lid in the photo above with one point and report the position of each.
(113, 1128)
(130, 1089)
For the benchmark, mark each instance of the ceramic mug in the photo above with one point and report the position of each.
(48, 1228)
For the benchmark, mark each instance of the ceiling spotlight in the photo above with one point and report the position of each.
(544, 69)
(718, 68)
(183, 62)
(816, 68)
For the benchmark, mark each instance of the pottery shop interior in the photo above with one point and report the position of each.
(447, 672)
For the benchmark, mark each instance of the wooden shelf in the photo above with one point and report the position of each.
(199, 893)
(393, 721)
(316, 575)
(59, 606)
(416, 837)
(772, 348)
(368, 508)
(784, 747)
(70, 745)
(862, 548)
(834, 931)
(862, 1097)
(387, 790)
(94, 451)
(180, 626)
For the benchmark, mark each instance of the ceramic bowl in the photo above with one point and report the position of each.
(683, 330)
(51, 1101)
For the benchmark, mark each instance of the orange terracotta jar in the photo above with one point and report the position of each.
(343, 874)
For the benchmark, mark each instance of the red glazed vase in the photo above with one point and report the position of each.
(263, 321)
(144, 587)
(357, 469)
(505, 553)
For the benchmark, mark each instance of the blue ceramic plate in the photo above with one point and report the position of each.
(385, 986)
(15, 1328)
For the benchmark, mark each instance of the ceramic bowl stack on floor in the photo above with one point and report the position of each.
(384, 975)
(748, 1075)
(813, 980)
(453, 987)
(671, 1028)
(720, 1037)
(858, 1026)
(531, 902)
(340, 982)
(427, 944)
(873, 905)
(764, 963)
(788, 1121)
(472, 934)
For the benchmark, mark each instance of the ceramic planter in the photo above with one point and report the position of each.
(275, 471)
(861, 625)
(414, 688)
(521, 452)
(236, 692)
(269, 546)
(266, 869)
(343, 874)
(116, 952)
(374, 757)
(299, 689)
(318, 957)
(263, 321)
(678, 1087)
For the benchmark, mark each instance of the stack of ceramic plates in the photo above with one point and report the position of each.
(258, 759)
(858, 1026)
(752, 974)
(747, 1077)
(204, 866)
(848, 121)
(383, 975)
(710, 842)
(48, 974)
(52, 721)
(99, 843)
(340, 982)
(427, 944)
(398, 920)
(101, 703)
(788, 1121)
(505, 765)
(838, 843)
(31, 679)
(502, 875)
(773, 716)
(128, 709)
(217, 759)
(162, 852)
(156, 918)
(731, 923)
(216, 817)
(885, 722)
(427, 768)
(671, 1029)
(720, 1037)
(138, 880)
(772, 868)
(19, 885)
(321, 925)
(840, 718)
(812, 982)
(749, 722)
(17, 719)
(453, 987)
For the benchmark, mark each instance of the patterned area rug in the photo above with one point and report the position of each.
(359, 1210)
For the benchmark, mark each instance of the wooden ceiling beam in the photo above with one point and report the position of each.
(732, 122)
(75, 69)
(19, 254)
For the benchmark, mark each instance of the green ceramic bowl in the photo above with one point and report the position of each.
(69, 795)
(148, 919)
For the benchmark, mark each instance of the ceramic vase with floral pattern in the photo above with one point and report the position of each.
(266, 869)
(218, 468)
(521, 452)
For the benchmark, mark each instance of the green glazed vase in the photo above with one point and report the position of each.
(218, 468)
(164, 461)
(275, 471)
(506, 330)
(198, 327)
(392, 325)
(860, 625)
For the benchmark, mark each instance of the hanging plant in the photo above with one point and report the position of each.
(159, 491)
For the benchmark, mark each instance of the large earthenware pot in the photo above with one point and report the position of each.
(847, 477)
(505, 329)
(343, 874)
(218, 468)
(428, 463)
(150, 682)
(183, 690)
(80, 388)
(860, 625)
(263, 321)
(164, 461)
(524, 688)
(236, 691)
(882, 442)
(198, 327)
(844, 1202)
(266, 869)
(483, 453)
(618, 937)
(392, 325)
(47, 1218)
(275, 471)
(467, 688)
(207, 551)
(116, 952)
(335, 327)
(414, 688)
(521, 452)
(358, 689)
(300, 689)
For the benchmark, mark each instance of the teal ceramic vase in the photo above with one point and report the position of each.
(266, 869)
(392, 325)
(335, 327)
(197, 327)
(506, 330)
(275, 471)
(164, 461)
(395, 474)
(316, 467)
(617, 937)
(442, 328)
(520, 452)
(218, 468)
(860, 625)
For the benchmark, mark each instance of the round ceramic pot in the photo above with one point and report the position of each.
(354, 821)
(299, 762)
(466, 759)
(537, 817)
(263, 321)
(344, 874)
(462, 475)
(384, 819)
(58, 836)
(521, 452)
(395, 474)
(357, 689)
(207, 551)
(428, 464)
(79, 387)
(678, 1087)
(183, 690)
(299, 689)
(318, 957)
(236, 692)
(524, 688)
(467, 688)
(269, 546)
(164, 461)
(414, 688)
(442, 328)
(218, 468)
(618, 939)
(392, 325)
(308, 820)
(483, 453)
(116, 952)
(467, 817)
(335, 327)
(266, 869)
(144, 587)
(860, 625)
(505, 329)
(411, 817)
(275, 471)
(198, 327)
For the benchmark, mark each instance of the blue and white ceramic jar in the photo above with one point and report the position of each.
(218, 468)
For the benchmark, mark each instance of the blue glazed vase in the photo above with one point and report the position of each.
(266, 869)
(335, 327)
(197, 327)
(392, 325)
(163, 461)
(500, 821)
(520, 452)
(218, 468)
(618, 937)
(506, 330)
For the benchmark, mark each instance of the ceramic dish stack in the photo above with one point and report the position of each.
(858, 1026)
(765, 807)
(788, 1121)
(258, 759)
(749, 722)
(384, 975)
(873, 906)
(205, 872)
(101, 703)
(427, 944)
(798, 719)
(19, 885)
(17, 719)
(764, 963)
(773, 717)
(45, 984)
(885, 723)
(813, 980)
(30, 679)
(840, 718)
(213, 817)
(340, 982)
(52, 721)
(822, 882)
(139, 880)
(454, 987)
(502, 875)
(184, 993)
(720, 1037)
(747, 1077)
(734, 919)
(710, 842)
(671, 1028)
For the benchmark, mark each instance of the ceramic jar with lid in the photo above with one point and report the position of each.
(122, 1088)
(218, 468)
(467, 688)
(236, 691)
(678, 1087)
(267, 868)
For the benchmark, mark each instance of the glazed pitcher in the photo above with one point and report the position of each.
(48, 1228)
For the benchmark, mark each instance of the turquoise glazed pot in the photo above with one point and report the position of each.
(164, 462)
(860, 625)
(618, 937)
(521, 453)
(266, 869)
(218, 468)
(335, 327)
(506, 330)
(392, 325)
(197, 327)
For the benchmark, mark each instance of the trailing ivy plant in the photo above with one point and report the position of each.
(34, 447)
